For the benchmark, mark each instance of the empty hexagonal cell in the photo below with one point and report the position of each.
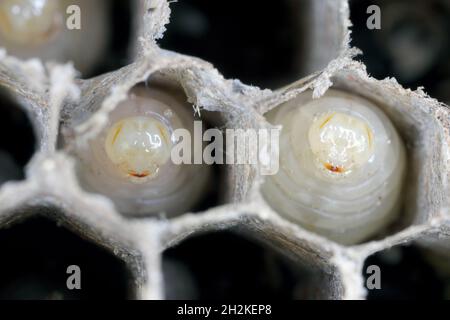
(265, 50)
(418, 26)
(149, 157)
(405, 272)
(37, 255)
(17, 139)
(226, 265)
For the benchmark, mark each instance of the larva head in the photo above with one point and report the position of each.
(138, 146)
(340, 142)
(25, 22)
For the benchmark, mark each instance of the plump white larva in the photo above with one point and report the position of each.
(342, 165)
(38, 28)
(130, 161)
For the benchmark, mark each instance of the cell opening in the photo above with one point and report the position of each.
(265, 51)
(17, 139)
(36, 255)
(134, 159)
(412, 44)
(225, 265)
(405, 272)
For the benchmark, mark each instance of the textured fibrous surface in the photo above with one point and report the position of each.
(52, 95)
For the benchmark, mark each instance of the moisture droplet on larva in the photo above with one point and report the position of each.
(138, 146)
(340, 142)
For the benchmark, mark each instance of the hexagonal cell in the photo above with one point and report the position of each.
(226, 265)
(408, 120)
(17, 138)
(342, 166)
(406, 272)
(406, 26)
(36, 255)
(147, 159)
(265, 50)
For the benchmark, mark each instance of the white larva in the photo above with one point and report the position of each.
(130, 161)
(342, 165)
(38, 28)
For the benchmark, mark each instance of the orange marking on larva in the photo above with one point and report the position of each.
(326, 121)
(163, 133)
(369, 135)
(332, 168)
(139, 175)
(117, 134)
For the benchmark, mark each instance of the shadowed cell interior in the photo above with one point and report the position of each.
(225, 265)
(412, 44)
(121, 26)
(405, 274)
(35, 257)
(17, 139)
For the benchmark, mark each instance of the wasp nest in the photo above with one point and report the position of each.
(364, 164)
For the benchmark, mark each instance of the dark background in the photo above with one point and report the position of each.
(413, 44)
